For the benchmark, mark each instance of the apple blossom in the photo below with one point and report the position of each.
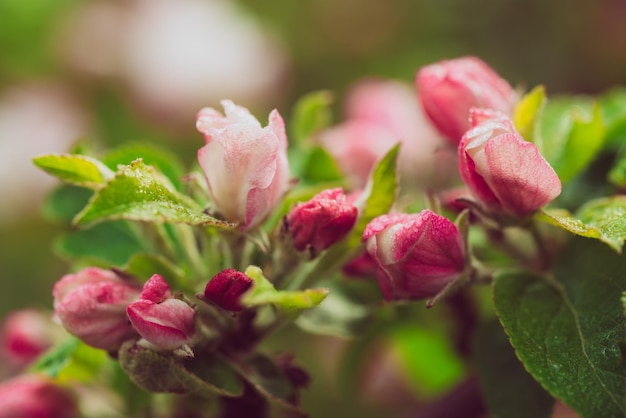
(503, 171)
(226, 288)
(449, 89)
(322, 221)
(25, 335)
(91, 305)
(245, 165)
(417, 255)
(164, 321)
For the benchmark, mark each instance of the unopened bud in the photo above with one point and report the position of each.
(322, 221)
(91, 305)
(225, 289)
(35, 396)
(417, 255)
(164, 321)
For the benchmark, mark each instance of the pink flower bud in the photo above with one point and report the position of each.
(449, 89)
(161, 319)
(245, 165)
(505, 173)
(25, 335)
(91, 305)
(417, 255)
(226, 287)
(322, 221)
(35, 397)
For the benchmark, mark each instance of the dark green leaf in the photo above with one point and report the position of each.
(137, 193)
(567, 327)
(65, 201)
(79, 170)
(107, 243)
(510, 392)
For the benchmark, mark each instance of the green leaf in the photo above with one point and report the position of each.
(145, 265)
(572, 133)
(65, 201)
(204, 375)
(137, 193)
(311, 113)
(607, 215)
(341, 314)
(290, 303)
(58, 357)
(563, 219)
(617, 175)
(428, 358)
(151, 154)
(528, 112)
(79, 170)
(567, 327)
(510, 392)
(613, 105)
(110, 243)
(319, 166)
(71, 360)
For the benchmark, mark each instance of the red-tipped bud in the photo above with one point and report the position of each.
(25, 335)
(225, 289)
(322, 221)
(449, 89)
(417, 255)
(164, 321)
(91, 305)
(503, 171)
(35, 397)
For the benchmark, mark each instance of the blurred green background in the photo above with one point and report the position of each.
(117, 71)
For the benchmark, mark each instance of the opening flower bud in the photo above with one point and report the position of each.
(164, 321)
(322, 221)
(417, 255)
(245, 165)
(91, 305)
(449, 89)
(505, 173)
(225, 289)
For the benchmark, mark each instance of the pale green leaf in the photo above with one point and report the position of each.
(138, 193)
(79, 170)
(527, 113)
(290, 303)
(311, 113)
(607, 215)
